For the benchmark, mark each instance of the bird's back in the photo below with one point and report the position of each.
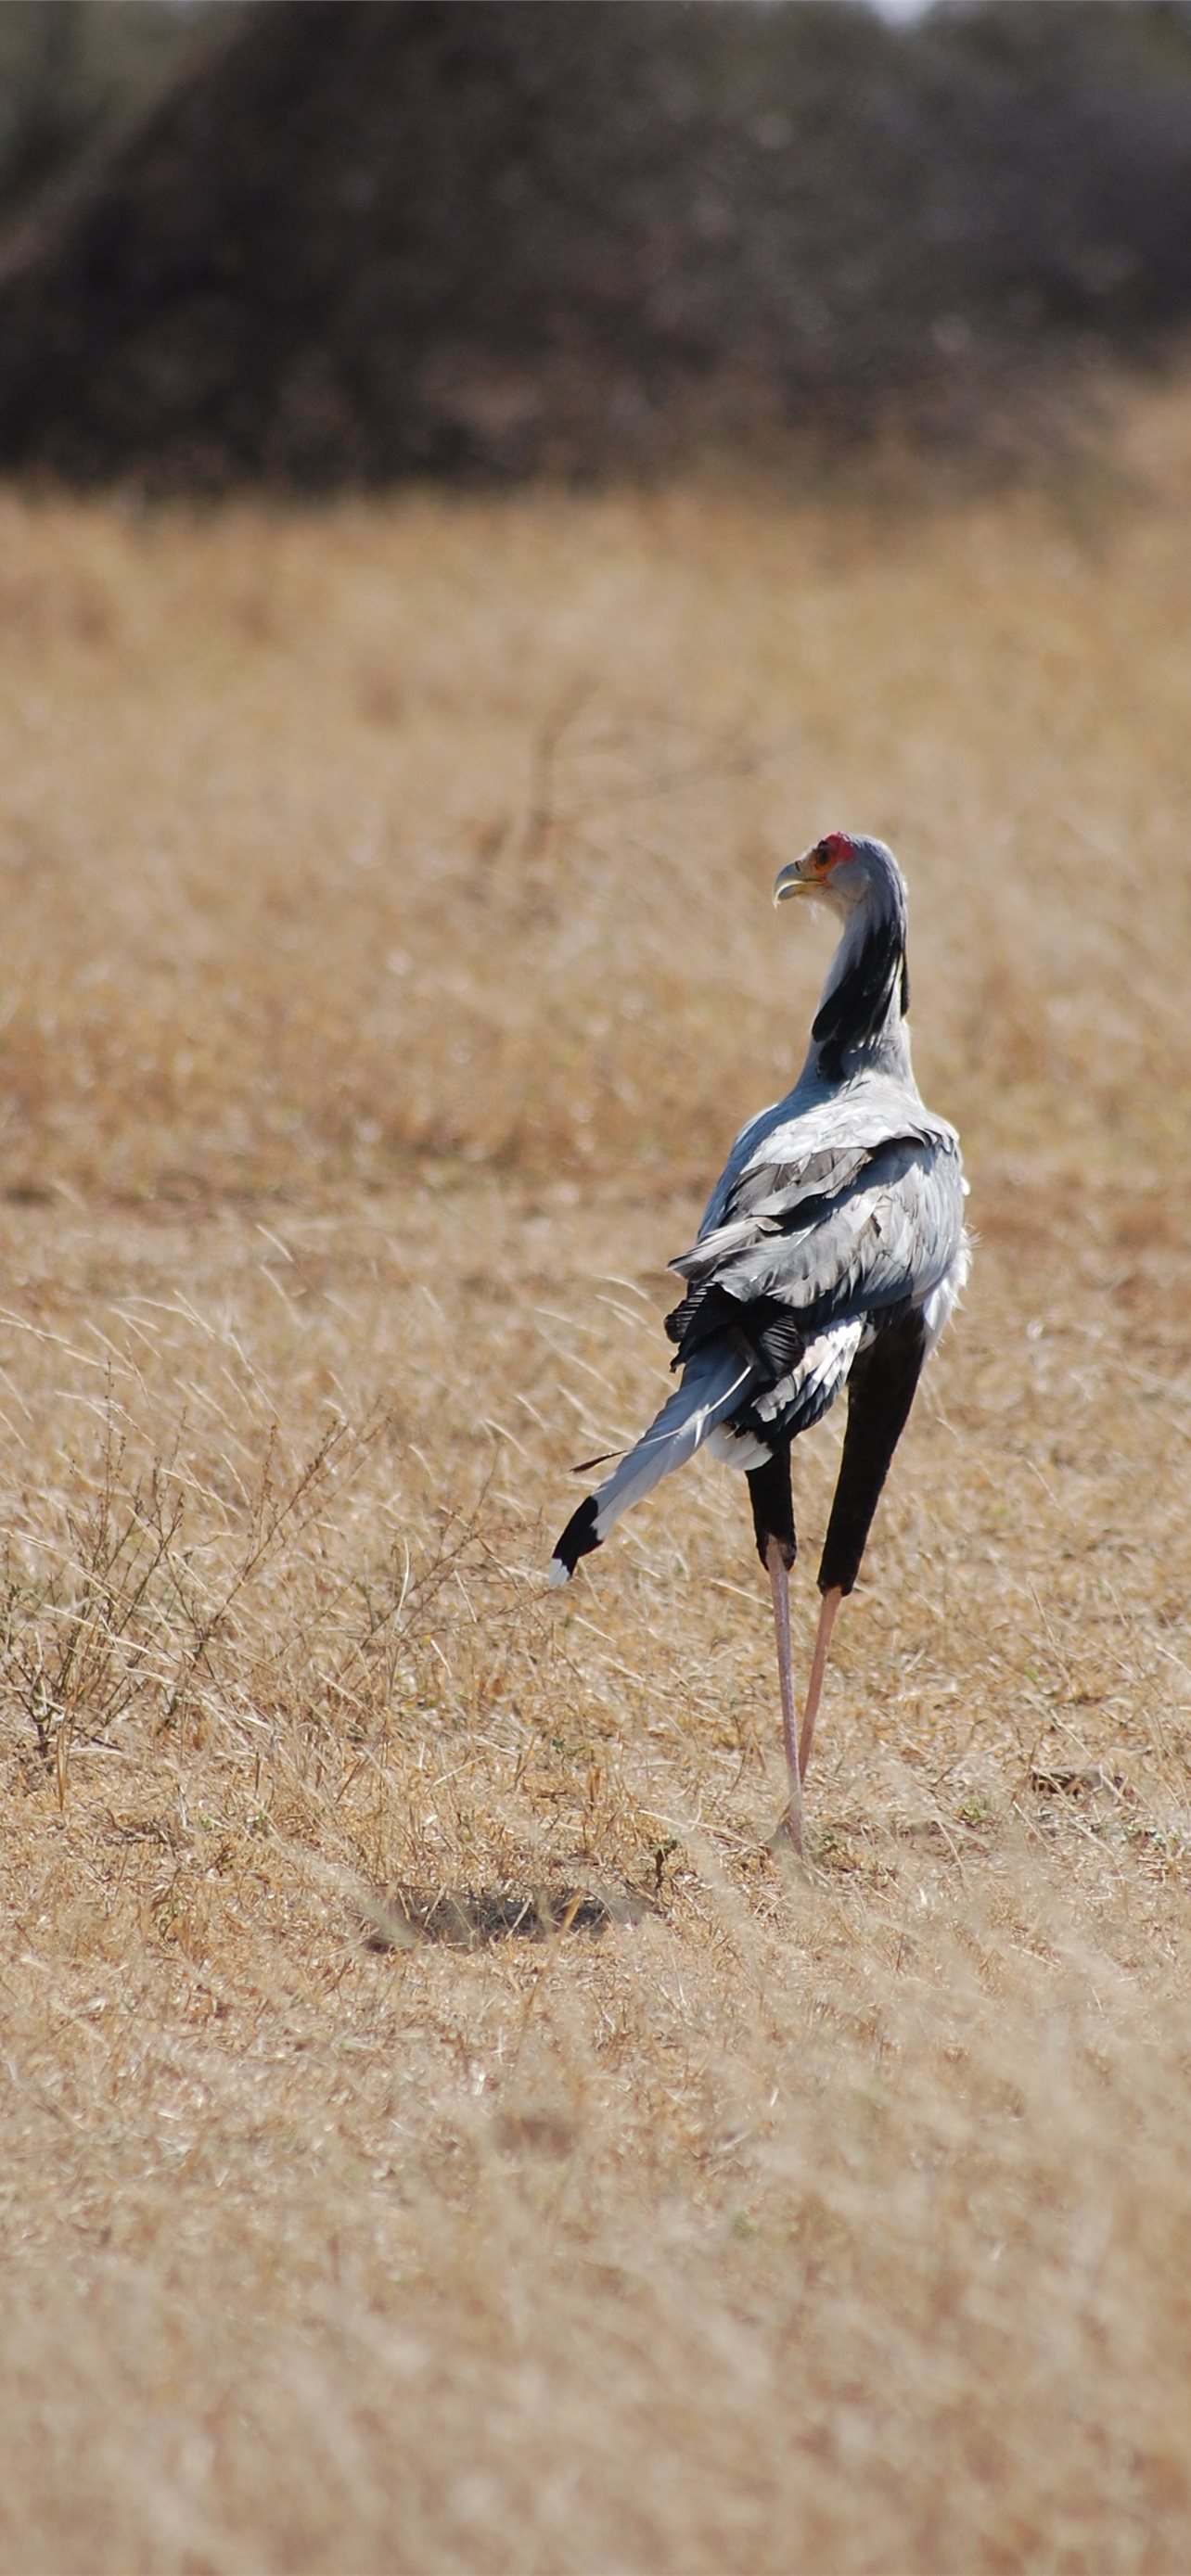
(841, 1203)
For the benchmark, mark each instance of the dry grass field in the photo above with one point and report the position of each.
(388, 959)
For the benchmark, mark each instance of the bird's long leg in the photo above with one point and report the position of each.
(777, 1547)
(814, 1688)
(779, 1585)
(880, 1393)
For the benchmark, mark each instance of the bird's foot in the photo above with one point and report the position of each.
(787, 1841)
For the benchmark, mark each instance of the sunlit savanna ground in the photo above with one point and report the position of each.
(387, 961)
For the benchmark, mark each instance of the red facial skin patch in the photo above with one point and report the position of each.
(828, 852)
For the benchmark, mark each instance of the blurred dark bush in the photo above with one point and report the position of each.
(491, 236)
(73, 74)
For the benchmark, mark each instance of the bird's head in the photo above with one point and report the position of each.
(867, 992)
(844, 870)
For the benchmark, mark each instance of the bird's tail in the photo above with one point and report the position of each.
(714, 1380)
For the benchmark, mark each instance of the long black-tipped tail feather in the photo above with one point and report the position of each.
(714, 1381)
(579, 1538)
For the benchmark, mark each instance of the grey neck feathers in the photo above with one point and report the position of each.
(867, 992)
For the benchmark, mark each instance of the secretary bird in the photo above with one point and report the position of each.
(831, 1252)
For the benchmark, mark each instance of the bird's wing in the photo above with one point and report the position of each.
(829, 1224)
(805, 1148)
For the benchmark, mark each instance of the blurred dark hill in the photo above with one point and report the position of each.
(488, 236)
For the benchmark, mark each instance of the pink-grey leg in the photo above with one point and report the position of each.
(779, 1585)
(814, 1688)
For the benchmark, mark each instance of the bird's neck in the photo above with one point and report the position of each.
(860, 1021)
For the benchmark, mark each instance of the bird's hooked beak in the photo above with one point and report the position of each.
(799, 876)
(809, 874)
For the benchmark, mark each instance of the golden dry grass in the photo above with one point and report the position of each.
(388, 959)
